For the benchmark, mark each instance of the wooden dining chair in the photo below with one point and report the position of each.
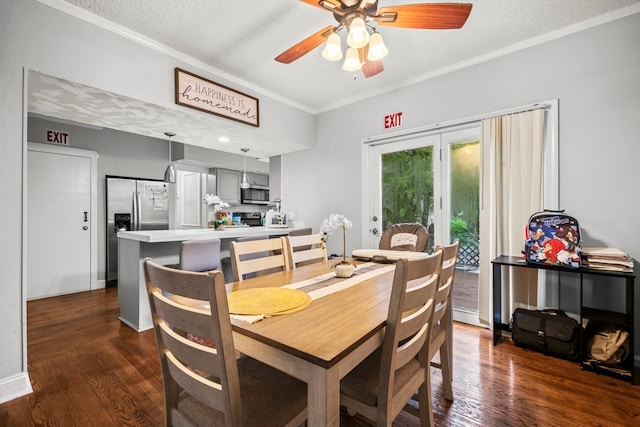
(442, 333)
(305, 249)
(380, 386)
(227, 269)
(205, 385)
(200, 255)
(405, 237)
(258, 256)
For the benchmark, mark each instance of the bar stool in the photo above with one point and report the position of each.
(200, 255)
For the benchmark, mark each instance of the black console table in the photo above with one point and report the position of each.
(625, 319)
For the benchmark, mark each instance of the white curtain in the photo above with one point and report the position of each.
(511, 190)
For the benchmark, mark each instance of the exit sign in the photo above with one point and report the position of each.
(393, 120)
(57, 137)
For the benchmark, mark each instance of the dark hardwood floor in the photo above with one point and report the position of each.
(88, 369)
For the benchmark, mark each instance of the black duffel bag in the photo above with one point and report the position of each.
(548, 331)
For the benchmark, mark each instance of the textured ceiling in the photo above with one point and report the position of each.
(240, 38)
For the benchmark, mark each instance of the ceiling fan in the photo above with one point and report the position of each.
(359, 17)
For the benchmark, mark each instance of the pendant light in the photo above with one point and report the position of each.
(170, 173)
(245, 180)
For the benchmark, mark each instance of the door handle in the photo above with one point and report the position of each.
(85, 228)
(85, 216)
(374, 231)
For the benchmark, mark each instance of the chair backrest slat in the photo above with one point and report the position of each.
(256, 256)
(447, 276)
(305, 249)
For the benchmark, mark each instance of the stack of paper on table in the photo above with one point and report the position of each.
(611, 259)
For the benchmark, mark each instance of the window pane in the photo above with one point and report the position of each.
(464, 225)
(407, 189)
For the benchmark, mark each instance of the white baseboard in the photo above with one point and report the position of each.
(99, 284)
(14, 387)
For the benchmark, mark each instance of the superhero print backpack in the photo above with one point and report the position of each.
(553, 238)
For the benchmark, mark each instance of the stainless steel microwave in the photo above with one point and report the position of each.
(254, 196)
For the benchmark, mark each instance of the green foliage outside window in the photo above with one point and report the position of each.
(407, 183)
(407, 191)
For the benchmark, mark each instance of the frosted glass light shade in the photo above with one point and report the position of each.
(377, 49)
(352, 61)
(358, 34)
(332, 50)
(244, 183)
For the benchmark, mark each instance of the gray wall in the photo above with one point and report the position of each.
(594, 74)
(36, 37)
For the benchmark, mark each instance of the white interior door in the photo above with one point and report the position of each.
(58, 224)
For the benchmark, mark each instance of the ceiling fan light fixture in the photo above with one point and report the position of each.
(333, 49)
(352, 60)
(358, 34)
(377, 48)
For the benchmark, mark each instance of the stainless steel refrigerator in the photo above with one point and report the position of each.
(132, 204)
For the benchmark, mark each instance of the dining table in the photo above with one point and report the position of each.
(324, 341)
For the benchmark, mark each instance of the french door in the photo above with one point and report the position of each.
(432, 179)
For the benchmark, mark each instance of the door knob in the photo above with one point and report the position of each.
(374, 231)
(85, 228)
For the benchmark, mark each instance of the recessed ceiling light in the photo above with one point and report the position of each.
(223, 139)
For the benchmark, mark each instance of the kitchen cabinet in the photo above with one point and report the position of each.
(228, 185)
(258, 179)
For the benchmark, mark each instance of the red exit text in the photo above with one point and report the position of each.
(393, 120)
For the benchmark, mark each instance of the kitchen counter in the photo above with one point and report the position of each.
(164, 247)
(156, 236)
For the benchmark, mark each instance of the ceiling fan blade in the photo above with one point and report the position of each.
(369, 68)
(324, 4)
(430, 16)
(305, 46)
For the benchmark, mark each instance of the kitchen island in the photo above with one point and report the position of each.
(164, 247)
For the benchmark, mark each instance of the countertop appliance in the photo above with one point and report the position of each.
(133, 204)
(252, 219)
(275, 219)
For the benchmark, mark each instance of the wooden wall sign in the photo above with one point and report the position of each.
(202, 94)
